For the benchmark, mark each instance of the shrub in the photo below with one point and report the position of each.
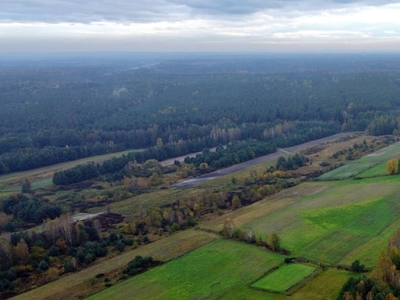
(357, 267)
(43, 266)
(120, 246)
(54, 251)
(112, 238)
(69, 267)
(128, 242)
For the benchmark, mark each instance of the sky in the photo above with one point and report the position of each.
(199, 25)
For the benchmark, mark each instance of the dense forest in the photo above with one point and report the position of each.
(56, 112)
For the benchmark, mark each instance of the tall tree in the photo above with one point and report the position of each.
(274, 241)
(229, 228)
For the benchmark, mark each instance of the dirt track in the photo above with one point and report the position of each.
(256, 161)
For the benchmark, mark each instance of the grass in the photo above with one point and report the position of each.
(222, 269)
(378, 170)
(368, 253)
(156, 198)
(74, 285)
(362, 165)
(325, 286)
(326, 221)
(349, 170)
(267, 206)
(218, 269)
(42, 183)
(284, 277)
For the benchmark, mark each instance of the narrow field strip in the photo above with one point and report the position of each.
(367, 166)
(284, 278)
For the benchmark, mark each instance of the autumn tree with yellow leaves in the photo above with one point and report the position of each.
(392, 166)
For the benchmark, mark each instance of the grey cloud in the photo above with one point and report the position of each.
(230, 6)
(55, 11)
(242, 7)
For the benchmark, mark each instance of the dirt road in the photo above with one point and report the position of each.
(256, 161)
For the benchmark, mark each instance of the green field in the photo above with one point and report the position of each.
(284, 277)
(74, 285)
(349, 170)
(363, 165)
(327, 226)
(222, 268)
(134, 205)
(378, 170)
(325, 286)
(332, 222)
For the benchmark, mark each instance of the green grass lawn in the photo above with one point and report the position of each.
(370, 165)
(218, 269)
(283, 278)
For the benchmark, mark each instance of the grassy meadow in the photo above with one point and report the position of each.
(79, 284)
(327, 226)
(361, 166)
(325, 286)
(224, 269)
(218, 269)
(284, 277)
(332, 222)
(378, 170)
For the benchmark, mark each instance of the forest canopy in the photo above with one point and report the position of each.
(53, 113)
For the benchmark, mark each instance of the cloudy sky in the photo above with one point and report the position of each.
(199, 25)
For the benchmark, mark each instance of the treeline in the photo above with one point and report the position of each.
(195, 139)
(292, 163)
(26, 209)
(385, 124)
(233, 153)
(273, 242)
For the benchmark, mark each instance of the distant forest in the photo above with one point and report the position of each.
(61, 111)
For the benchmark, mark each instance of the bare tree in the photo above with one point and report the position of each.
(66, 227)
